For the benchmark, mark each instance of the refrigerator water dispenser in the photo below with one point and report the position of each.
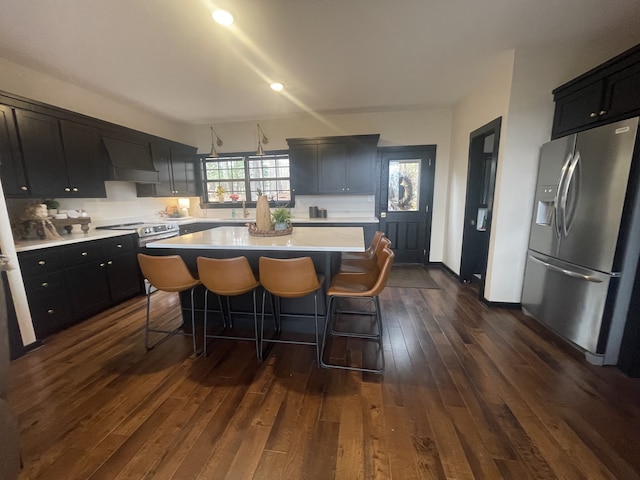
(546, 205)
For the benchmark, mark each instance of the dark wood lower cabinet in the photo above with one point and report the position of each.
(88, 289)
(68, 284)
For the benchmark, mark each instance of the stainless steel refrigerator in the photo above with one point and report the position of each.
(583, 246)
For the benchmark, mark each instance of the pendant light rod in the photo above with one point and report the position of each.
(262, 139)
(214, 152)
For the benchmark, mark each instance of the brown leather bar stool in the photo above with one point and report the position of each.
(289, 278)
(358, 286)
(169, 274)
(368, 254)
(228, 277)
(365, 265)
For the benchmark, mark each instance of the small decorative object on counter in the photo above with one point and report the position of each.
(322, 213)
(234, 197)
(313, 212)
(36, 216)
(255, 232)
(52, 206)
(172, 212)
(68, 223)
(263, 213)
(281, 218)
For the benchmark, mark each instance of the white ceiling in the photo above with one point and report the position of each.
(170, 58)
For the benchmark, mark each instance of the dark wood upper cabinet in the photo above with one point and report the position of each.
(303, 168)
(86, 160)
(176, 165)
(341, 165)
(12, 172)
(183, 171)
(46, 151)
(61, 158)
(43, 154)
(607, 93)
(331, 168)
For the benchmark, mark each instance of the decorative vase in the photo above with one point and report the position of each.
(263, 213)
(281, 226)
(221, 198)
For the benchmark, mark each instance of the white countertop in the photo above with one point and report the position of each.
(296, 220)
(303, 239)
(93, 234)
(68, 238)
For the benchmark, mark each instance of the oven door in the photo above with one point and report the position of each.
(159, 236)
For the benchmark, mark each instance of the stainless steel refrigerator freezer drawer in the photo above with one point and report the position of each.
(567, 298)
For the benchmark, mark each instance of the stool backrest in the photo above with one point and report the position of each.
(385, 261)
(168, 272)
(226, 276)
(289, 277)
(375, 241)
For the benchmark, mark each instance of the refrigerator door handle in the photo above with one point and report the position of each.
(556, 202)
(565, 191)
(569, 273)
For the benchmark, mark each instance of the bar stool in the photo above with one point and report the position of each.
(289, 278)
(358, 286)
(368, 253)
(228, 277)
(169, 274)
(365, 265)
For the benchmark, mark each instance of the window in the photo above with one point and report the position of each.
(239, 177)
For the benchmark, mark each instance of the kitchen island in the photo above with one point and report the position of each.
(323, 244)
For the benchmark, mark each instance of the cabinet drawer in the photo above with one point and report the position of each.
(51, 313)
(118, 245)
(40, 262)
(50, 282)
(84, 252)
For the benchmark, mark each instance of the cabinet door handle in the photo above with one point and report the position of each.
(45, 284)
(75, 189)
(602, 112)
(84, 254)
(110, 262)
(41, 262)
(102, 264)
(23, 188)
(119, 245)
(50, 312)
(67, 189)
(593, 115)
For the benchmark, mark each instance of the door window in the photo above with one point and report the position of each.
(404, 185)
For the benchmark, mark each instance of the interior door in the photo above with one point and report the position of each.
(406, 200)
(481, 180)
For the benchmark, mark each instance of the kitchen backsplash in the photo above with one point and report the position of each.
(337, 206)
(122, 205)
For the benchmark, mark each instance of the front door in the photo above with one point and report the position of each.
(406, 200)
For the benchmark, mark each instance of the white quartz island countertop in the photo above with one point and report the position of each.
(303, 239)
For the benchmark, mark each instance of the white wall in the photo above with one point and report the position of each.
(529, 114)
(34, 85)
(488, 101)
(415, 127)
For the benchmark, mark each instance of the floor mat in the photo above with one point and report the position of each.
(410, 276)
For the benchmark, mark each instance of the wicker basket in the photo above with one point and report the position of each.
(254, 232)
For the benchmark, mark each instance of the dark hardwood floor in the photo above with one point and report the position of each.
(469, 392)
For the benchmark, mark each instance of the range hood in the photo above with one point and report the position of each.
(130, 161)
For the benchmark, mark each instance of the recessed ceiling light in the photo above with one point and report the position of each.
(277, 86)
(222, 17)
